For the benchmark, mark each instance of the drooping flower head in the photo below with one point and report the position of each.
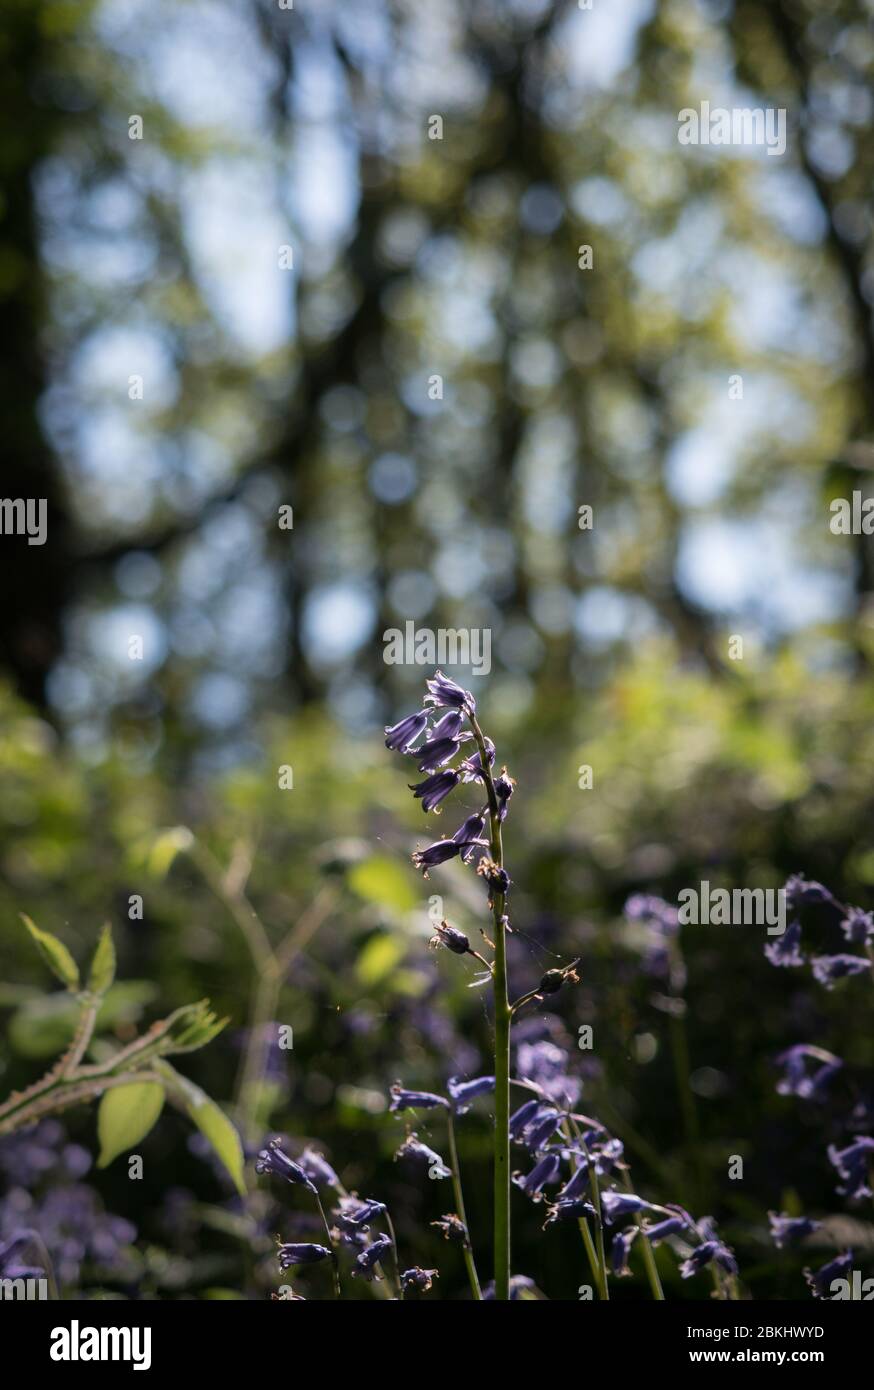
(402, 1099)
(413, 1148)
(786, 1230)
(444, 693)
(366, 1263)
(418, 1278)
(301, 1254)
(274, 1160)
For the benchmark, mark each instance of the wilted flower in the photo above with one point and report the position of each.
(498, 879)
(820, 1280)
(402, 1099)
(306, 1254)
(546, 1171)
(858, 926)
(829, 969)
(786, 950)
(366, 1262)
(785, 1230)
(797, 1080)
(418, 1278)
(274, 1161)
(853, 1165)
(403, 735)
(504, 787)
(452, 1228)
(451, 938)
(435, 789)
(445, 693)
(412, 1147)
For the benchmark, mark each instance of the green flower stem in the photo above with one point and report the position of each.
(459, 1207)
(603, 1286)
(649, 1260)
(334, 1262)
(503, 1018)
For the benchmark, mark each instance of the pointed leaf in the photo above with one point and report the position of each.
(212, 1122)
(55, 954)
(125, 1116)
(103, 965)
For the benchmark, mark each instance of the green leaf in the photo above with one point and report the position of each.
(125, 1116)
(378, 958)
(165, 847)
(212, 1122)
(103, 965)
(55, 954)
(383, 881)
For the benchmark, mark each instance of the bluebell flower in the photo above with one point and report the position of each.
(798, 1080)
(274, 1161)
(418, 1278)
(521, 1118)
(548, 1066)
(435, 788)
(653, 912)
(616, 1205)
(576, 1184)
(786, 1230)
(472, 767)
(858, 927)
(447, 726)
(547, 1170)
(301, 1254)
(504, 787)
(436, 752)
(799, 889)
(469, 835)
(520, 1285)
(541, 1129)
(318, 1169)
(450, 937)
(709, 1252)
(452, 1228)
(463, 1092)
(673, 1225)
(829, 969)
(568, 1209)
(444, 693)
(402, 1099)
(412, 1147)
(354, 1214)
(11, 1252)
(434, 854)
(820, 1280)
(854, 1165)
(786, 950)
(620, 1250)
(403, 735)
(365, 1264)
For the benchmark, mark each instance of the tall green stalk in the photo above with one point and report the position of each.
(502, 1044)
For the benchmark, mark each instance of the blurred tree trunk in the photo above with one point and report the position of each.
(35, 579)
